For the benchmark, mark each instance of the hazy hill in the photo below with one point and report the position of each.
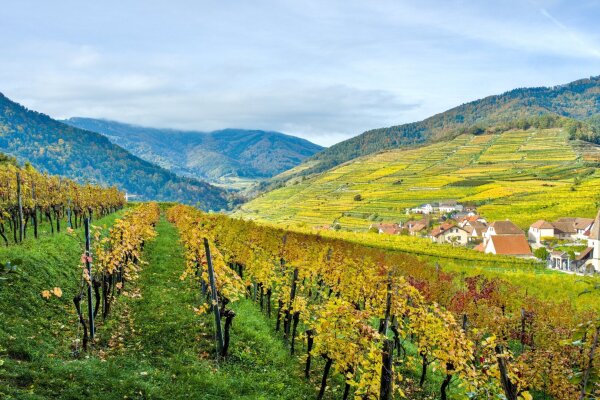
(579, 100)
(88, 156)
(523, 175)
(218, 156)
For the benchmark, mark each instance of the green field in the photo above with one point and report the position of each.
(520, 175)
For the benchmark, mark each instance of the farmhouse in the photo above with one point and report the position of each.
(470, 217)
(443, 207)
(449, 206)
(540, 229)
(416, 227)
(580, 226)
(587, 260)
(426, 209)
(502, 228)
(563, 228)
(476, 229)
(509, 245)
(448, 233)
(390, 229)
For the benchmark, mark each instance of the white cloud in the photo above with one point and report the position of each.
(322, 70)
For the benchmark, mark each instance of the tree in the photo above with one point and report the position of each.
(541, 253)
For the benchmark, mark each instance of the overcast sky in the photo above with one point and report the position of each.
(323, 70)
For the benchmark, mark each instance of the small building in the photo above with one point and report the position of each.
(560, 260)
(389, 229)
(476, 229)
(540, 229)
(426, 209)
(566, 228)
(450, 206)
(508, 245)
(416, 227)
(470, 219)
(502, 228)
(470, 208)
(448, 233)
(576, 226)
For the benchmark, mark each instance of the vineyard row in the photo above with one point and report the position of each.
(358, 308)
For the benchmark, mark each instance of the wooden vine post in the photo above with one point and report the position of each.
(310, 339)
(20, 200)
(383, 328)
(386, 389)
(215, 298)
(69, 224)
(88, 266)
(34, 215)
(590, 366)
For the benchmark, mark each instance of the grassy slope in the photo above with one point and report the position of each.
(520, 175)
(158, 348)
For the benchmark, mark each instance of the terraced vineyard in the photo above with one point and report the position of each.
(520, 175)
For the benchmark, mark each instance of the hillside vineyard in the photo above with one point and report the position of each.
(522, 175)
(27, 198)
(361, 309)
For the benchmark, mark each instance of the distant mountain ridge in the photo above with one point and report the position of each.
(579, 100)
(209, 155)
(60, 149)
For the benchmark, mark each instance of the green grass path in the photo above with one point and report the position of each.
(178, 348)
(152, 347)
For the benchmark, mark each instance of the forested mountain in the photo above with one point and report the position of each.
(218, 155)
(579, 100)
(88, 156)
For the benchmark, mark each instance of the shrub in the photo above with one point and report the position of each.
(541, 253)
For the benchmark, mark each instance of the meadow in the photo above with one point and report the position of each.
(521, 175)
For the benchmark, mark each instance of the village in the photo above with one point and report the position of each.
(569, 244)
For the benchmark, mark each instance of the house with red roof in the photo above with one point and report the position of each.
(508, 245)
(567, 228)
(389, 229)
(416, 227)
(448, 233)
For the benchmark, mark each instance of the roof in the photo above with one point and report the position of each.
(585, 253)
(595, 231)
(541, 224)
(583, 223)
(506, 228)
(469, 218)
(417, 226)
(391, 229)
(514, 245)
(479, 227)
(577, 223)
(565, 226)
(441, 229)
